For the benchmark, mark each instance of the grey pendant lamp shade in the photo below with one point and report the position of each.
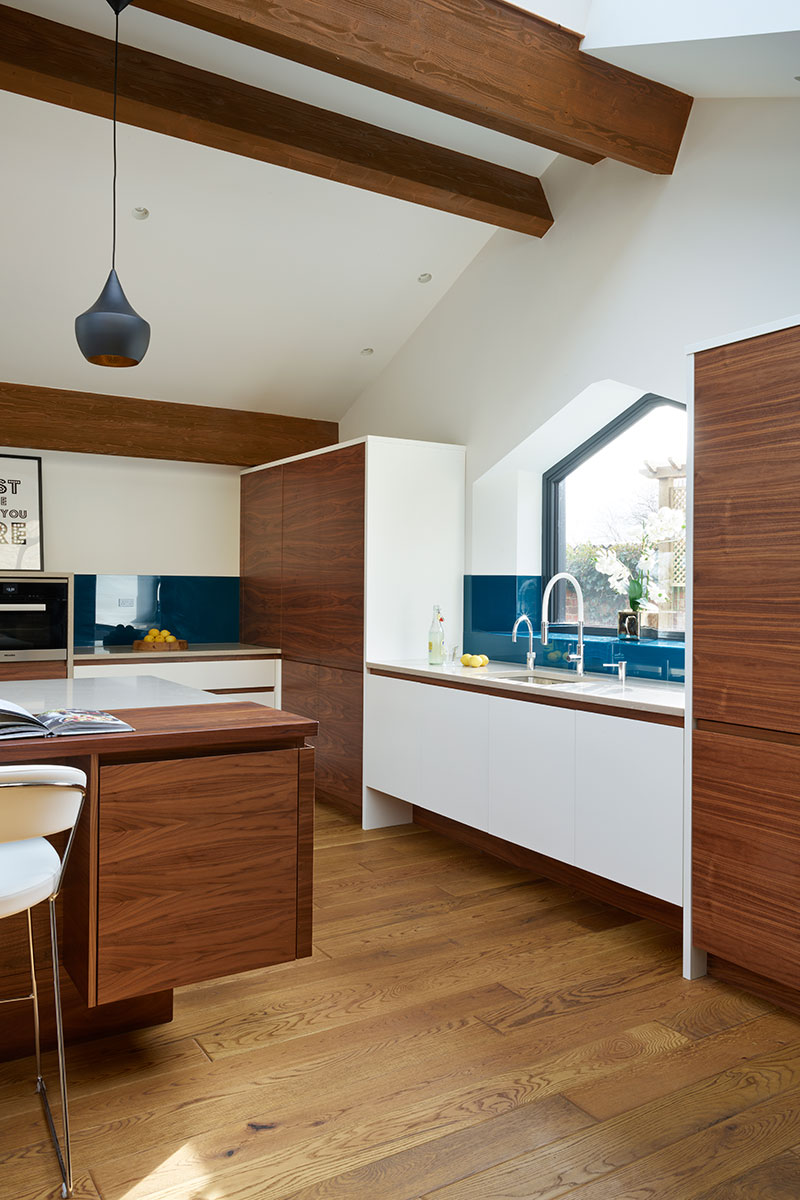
(111, 333)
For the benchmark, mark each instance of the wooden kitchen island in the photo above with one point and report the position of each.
(193, 860)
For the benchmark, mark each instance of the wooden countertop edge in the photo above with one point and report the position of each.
(199, 726)
(497, 689)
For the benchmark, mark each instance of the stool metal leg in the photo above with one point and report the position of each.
(35, 998)
(64, 1162)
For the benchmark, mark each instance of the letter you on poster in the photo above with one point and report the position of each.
(20, 513)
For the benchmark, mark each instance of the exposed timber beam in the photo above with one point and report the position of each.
(485, 61)
(66, 66)
(88, 423)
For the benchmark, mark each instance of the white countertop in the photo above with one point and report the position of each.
(645, 695)
(197, 650)
(138, 691)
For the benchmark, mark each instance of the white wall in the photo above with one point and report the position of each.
(635, 268)
(631, 23)
(138, 516)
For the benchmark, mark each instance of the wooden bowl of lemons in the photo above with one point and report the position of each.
(160, 640)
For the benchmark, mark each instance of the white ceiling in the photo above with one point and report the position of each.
(763, 65)
(262, 285)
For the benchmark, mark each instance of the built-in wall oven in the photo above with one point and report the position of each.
(35, 617)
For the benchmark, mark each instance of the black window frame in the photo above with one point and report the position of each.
(553, 502)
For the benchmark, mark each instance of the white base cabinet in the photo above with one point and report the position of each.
(392, 729)
(453, 755)
(531, 781)
(598, 792)
(629, 803)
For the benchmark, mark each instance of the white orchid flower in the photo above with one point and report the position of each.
(607, 562)
(667, 525)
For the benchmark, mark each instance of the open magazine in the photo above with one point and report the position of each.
(16, 722)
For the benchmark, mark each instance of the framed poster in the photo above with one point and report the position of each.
(20, 513)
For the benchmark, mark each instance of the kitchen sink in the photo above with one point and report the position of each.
(539, 680)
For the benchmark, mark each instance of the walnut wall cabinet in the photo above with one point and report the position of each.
(746, 660)
(344, 552)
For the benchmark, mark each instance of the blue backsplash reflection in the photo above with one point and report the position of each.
(117, 609)
(493, 602)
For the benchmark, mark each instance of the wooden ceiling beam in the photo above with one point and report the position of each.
(484, 61)
(69, 67)
(89, 423)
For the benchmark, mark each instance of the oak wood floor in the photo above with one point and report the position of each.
(464, 1031)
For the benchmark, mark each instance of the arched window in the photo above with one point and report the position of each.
(613, 514)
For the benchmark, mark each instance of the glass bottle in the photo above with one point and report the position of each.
(436, 638)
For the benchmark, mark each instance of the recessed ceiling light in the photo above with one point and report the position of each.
(426, 277)
(365, 353)
(141, 214)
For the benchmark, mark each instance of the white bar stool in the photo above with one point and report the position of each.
(36, 801)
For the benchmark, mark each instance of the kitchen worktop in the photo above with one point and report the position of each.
(113, 692)
(198, 650)
(644, 695)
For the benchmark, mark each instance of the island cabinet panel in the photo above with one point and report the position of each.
(198, 869)
(746, 530)
(746, 853)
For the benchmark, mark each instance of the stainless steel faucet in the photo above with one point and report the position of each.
(576, 658)
(531, 656)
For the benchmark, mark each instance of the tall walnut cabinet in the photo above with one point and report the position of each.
(343, 553)
(746, 662)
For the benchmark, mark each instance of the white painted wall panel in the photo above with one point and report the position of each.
(136, 516)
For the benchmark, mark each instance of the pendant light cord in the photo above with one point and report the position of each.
(114, 124)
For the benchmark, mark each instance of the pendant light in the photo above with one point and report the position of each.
(111, 333)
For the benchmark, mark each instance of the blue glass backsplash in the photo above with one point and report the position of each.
(117, 609)
(493, 602)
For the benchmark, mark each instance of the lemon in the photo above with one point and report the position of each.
(149, 637)
(466, 659)
(165, 633)
(159, 639)
(484, 660)
(476, 660)
(170, 638)
(152, 631)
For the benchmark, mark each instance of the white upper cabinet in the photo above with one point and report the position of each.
(532, 776)
(629, 803)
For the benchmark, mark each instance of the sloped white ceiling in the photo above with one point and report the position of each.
(262, 285)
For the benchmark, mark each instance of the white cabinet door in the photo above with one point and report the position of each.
(532, 776)
(454, 754)
(392, 729)
(629, 803)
